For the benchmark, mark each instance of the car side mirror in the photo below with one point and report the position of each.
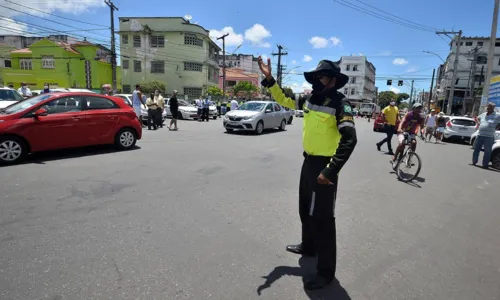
(268, 111)
(41, 112)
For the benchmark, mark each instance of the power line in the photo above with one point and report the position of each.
(48, 13)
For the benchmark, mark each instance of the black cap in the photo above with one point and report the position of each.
(327, 67)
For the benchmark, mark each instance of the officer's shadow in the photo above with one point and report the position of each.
(306, 268)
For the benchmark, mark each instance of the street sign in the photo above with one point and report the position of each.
(88, 75)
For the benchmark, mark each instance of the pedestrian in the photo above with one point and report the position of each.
(430, 125)
(390, 116)
(441, 124)
(328, 144)
(488, 123)
(228, 106)
(199, 106)
(205, 109)
(46, 89)
(24, 90)
(152, 112)
(174, 110)
(219, 105)
(161, 108)
(137, 101)
(234, 104)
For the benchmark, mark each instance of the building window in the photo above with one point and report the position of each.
(192, 92)
(158, 66)
(468, 43)
(192, 40)
(7, 63)
(479, 43)
(25, 64)
(353, 80)
(48, 62)
(137, 66)
(348, 68)
(355, 67)
(157, 41)
(353, 91)
(213, 75)
(231, 83)
(125, 39)
(190, 66)
(481, 60)
(479, 78)
(137, 41)
(125, 65)
(497, 44)
(346, 91)
(126, 89)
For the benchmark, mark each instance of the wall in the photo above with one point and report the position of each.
(174, 54)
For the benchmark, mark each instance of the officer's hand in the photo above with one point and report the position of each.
(265, 69)
(323, 180)
(400, 131)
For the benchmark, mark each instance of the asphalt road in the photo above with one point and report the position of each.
(201, 214)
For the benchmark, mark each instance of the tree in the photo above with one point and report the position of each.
(384, 98)
(214, 91)
(245, 87)
(148, 87)
(288, 92)
(401, 97)
(403, 105)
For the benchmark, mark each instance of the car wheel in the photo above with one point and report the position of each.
(215, 117)
(12, 150)
(259, 128)
(282, 125)
(125, 139)
(495, 159)
(290, 121)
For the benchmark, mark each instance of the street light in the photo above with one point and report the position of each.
(434, 54)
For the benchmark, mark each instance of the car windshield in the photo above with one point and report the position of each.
(25, 104)
(463, 122)
(184, 103)
(10, 95)
(252, 106)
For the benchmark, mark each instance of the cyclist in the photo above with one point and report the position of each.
(410, 124)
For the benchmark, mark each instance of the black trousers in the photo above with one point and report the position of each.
(204, 114)
(152, 118)
(389, 131)
(317, 214)
(159, 117)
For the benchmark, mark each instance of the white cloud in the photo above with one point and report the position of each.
(299, 88)
(399, 61)
(307, 58)
(411, 70)
(294, 62)
(9, 26)
(335, 41)
(319, 42)
(395, 90)
(232, 40)
(257, 34)
(51, 6)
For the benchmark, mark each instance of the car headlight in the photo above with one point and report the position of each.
(248, 118)
(226, 116)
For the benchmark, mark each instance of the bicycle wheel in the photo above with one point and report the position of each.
(410, 162)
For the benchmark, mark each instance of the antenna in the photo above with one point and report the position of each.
(188, 18)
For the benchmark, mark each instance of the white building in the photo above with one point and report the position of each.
(361, 72)
(246, 62)
(21, 41)
(468, 70)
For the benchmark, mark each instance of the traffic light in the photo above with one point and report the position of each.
(400, 83)
(389, 82)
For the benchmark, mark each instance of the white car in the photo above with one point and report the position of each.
(288, 114)
(144, 112)
(186, 111)
(299, 113)
(474, 136)
(62, 90)
(459, 128)
(126, 97)
(495, 155)
(9, 96)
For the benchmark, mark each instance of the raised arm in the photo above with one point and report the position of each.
(270, 83)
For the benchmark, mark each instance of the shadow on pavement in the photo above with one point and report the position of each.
(490, 168)
(244, 132)
(305, 269)
(42, 157)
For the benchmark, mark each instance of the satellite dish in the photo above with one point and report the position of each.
(188, 17)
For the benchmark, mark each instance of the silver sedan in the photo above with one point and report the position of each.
(255, 116)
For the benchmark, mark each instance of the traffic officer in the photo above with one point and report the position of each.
(329, 138)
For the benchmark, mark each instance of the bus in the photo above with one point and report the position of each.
(367, 109)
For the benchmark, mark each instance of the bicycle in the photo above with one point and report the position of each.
(407, 158)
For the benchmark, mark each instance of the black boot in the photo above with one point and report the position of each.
(317, 283)
(299, 249)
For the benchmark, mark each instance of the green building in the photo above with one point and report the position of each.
(170, 50)
(60, 64)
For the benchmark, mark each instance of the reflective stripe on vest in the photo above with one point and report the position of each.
(321, 136)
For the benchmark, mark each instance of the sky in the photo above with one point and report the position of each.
(392, 34)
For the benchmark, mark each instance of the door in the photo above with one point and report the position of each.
(103, 118)
(63, 127)
(279, 114)
(269, 119)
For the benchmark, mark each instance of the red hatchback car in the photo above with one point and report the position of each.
(65, 120)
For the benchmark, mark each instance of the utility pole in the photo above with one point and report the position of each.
(472, 75)
(455, 66)
(491, 52)
(112, 9)
(223, 38)
(430, 91)
(411, 94)
(280, 71)
(474, 95)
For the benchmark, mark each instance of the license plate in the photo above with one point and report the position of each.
(233, 123)
(463, 128)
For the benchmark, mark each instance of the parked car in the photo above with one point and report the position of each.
(9, 96)
(65, 120)
(378, 125)
(255, 116)
(299, 113)
(474, 135)
(495, 155)
(126, 97)
(459, 128)
(288, 114)
(186, 110)
(62, 90)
